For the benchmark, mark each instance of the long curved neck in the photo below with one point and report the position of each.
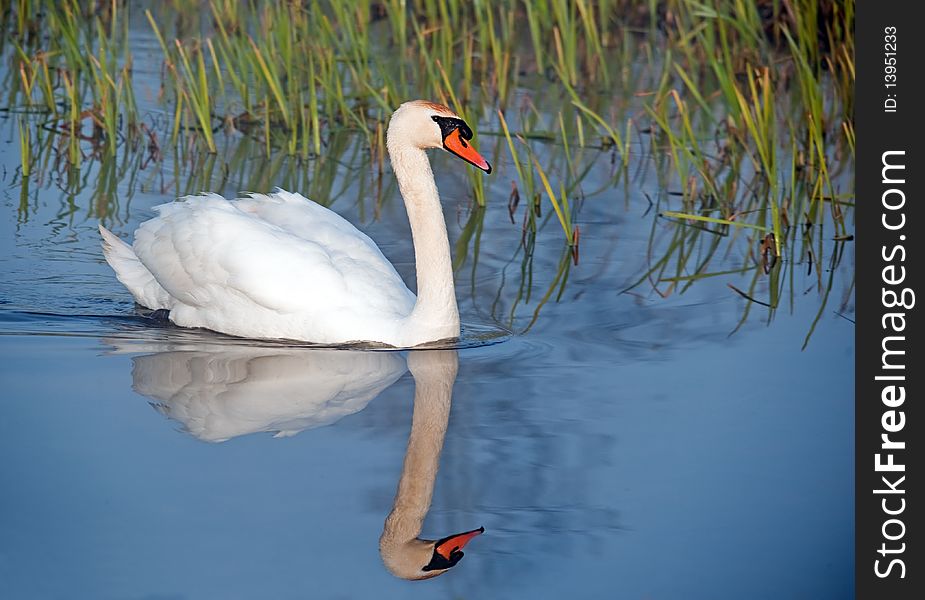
(435, 310)
(434, 373)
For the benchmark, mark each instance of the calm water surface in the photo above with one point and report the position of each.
(626, 445)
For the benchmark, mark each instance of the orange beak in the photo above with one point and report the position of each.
(447, 546)
(458, 146)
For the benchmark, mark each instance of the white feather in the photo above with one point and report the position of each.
(133, 275)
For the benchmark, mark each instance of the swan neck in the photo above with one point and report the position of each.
(436, 307)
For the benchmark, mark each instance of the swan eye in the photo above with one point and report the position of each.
(449, 124)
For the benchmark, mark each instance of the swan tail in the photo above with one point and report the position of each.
(132, 273)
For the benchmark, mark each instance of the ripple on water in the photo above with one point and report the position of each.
(145, 328)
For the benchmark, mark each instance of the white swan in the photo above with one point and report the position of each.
(280, 266)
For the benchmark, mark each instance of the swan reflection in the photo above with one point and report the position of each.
(403, 552)
(219, 392)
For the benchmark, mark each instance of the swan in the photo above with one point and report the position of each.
(279, 266)
(219, 392)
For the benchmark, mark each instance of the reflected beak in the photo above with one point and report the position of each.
(458, 146)
(448, 545)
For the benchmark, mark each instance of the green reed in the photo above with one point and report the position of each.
(73, 65)
(747, 115)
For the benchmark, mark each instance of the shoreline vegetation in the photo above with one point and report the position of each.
(743, 111)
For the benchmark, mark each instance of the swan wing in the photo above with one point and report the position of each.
(296, 214)
(282, 253)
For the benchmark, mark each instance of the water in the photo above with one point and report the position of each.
(616, 444)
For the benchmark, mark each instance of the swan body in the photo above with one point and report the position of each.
(279, 266)
(268, 266)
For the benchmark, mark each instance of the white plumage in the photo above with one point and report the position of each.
(267, 266)
(280, 266)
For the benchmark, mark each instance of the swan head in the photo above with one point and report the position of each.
(424, 124)
(424, 559)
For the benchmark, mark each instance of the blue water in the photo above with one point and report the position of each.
(620, 448)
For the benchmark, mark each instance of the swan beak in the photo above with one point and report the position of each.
(448, 545)
(458, 146)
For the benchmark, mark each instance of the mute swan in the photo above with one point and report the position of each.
(220, 392)
(279, 266)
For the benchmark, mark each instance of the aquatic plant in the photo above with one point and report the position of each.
(744, 109)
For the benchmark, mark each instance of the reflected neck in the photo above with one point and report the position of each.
(434, 373)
